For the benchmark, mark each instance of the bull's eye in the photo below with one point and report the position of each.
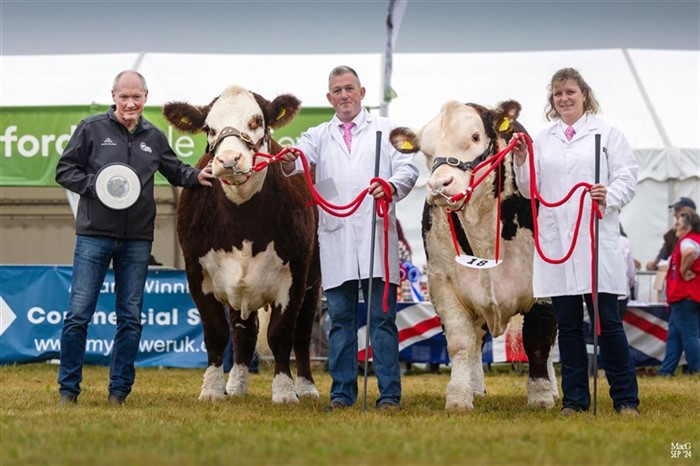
(476, 137)
(211, 132)
(255, 122)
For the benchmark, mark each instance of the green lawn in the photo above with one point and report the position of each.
(164, 424)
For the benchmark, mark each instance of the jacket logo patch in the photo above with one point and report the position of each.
(144, 147)
(108, 142)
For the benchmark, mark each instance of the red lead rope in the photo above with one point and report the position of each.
(535, 196)
(495, 161)
(346, 210)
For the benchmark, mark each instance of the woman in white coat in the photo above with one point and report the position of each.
(564, 155)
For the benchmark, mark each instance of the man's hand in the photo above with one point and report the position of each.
(205, 176)
(288, 160)
(376, 189)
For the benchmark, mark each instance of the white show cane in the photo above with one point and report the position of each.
(368, 299)
(595, 284)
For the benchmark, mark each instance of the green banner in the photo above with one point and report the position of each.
(33, 138)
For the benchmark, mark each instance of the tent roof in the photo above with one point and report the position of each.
(668, 78)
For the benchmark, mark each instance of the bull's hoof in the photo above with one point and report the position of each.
(283, 390)
(213, 388)
(211, 395)
(237, 381)
(540, 404)
(456, 406)
(285, 399)
(459, 397)
(305, 388)
(539, 394)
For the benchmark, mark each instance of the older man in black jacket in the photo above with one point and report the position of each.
(114, 223)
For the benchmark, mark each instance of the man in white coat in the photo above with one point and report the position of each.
(564, 156)
(343, 151)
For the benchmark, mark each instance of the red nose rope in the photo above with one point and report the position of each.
(382, 208)
(495, 162)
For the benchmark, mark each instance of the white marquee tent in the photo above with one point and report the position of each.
(653, 95)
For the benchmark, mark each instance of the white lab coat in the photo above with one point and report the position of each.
(559, 165)
(345, 242)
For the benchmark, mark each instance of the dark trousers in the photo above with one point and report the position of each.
(614, 349)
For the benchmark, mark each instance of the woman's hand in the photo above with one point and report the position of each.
(520, 152)
(598, 193)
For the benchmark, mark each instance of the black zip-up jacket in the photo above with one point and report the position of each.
(101, 140)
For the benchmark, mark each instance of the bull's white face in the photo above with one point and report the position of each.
(236, 108)
(457, 131)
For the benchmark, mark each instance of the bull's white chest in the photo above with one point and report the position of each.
(493, 294)
(246, 282)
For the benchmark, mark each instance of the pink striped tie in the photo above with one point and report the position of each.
(347, 133)
(569, 132)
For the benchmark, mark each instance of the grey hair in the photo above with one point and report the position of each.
(341, 70)
(690, 220)
(139, 75)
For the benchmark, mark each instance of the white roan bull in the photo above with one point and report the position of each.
(454, 142)
(249, 241)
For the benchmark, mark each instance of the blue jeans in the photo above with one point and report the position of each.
(683, 335)
(90, 263)
(342, 341)
(614, 349)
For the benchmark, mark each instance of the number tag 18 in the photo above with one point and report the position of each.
(476, 262)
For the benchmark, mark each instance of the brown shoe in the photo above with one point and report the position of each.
(335, 405)
(116, 400)
(628, 411)
(566, 412)
(67, 400)
(388, 406)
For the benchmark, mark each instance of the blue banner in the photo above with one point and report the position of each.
(34, 301)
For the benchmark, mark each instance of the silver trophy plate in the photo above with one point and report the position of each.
(118, 186)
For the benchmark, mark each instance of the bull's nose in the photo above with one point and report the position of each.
(228, 160)
(440, 183)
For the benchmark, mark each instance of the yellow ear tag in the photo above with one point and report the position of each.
(282, 113)
(186, 121)
(406, 145)
(505, 124)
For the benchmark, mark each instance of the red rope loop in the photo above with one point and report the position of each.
(495, 162)
(535, 196)
(382, 205)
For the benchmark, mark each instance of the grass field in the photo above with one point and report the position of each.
(164, 424)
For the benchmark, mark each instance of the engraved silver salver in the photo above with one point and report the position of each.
(118, 186)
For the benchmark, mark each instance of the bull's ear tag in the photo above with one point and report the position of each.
(505, 124)
(186, 120)
(477, 262)
(282, 113)
(406, 146)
